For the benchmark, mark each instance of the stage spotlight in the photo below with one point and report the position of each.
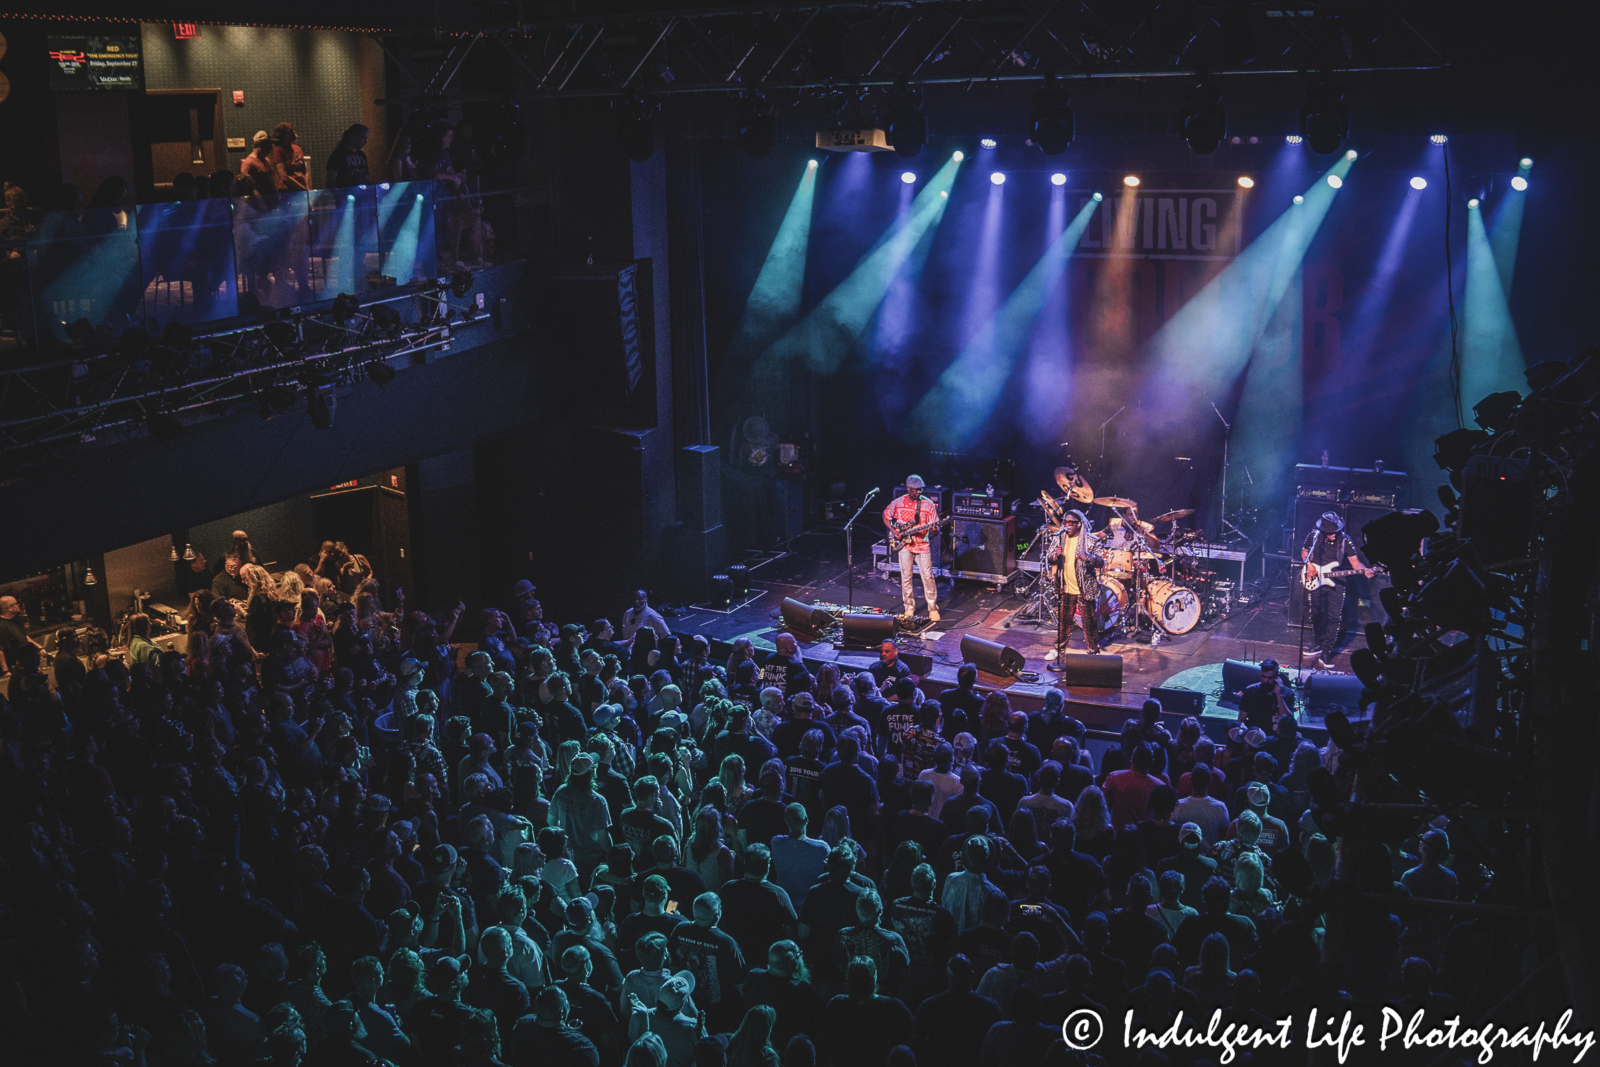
(944, 194)
(811, 164)
(1439, 138)
(1495, 411)
(907, 123)
(351, 197)
(1246, 182)
(1526, 163)
(461, 283)
(909, 178)
(420, 198)
(1419, 183)
(1051, 118)
(1294, 138)
(1452, 450)
(1202, 120)
(1325, 118)
(755, 134)
(1352, 155)
(1334, 181)
(1299, 199)
(344, 307)
(1131, 181)
(164, 427)
(386, 317)
(1058, 178)
(997, 178)
(958, 155)
(1519, 183)
(988, 142)
(380, 372)
(1472, 205)
(1099, 197)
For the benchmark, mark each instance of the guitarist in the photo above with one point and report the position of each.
(914, 512)
(1327, 548)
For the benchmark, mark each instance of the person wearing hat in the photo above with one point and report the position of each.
(581, 929)
(437, 1019)
(583, 813)
(257, 166)
(1274, 835)
(914, 512)
(1190, 862)
(673, 1019)
(1328, 548)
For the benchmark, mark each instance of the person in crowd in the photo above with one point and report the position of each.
(347, 165)
(288, 160)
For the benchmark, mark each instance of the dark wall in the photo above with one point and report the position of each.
(27, 117)
(312, 78)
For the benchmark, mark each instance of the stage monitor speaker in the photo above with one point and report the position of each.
(920, 666)
(995, 658)
(804, 618)
(1236, 675)
(1333, 692)
(1102, 671)
(983, 546)
(741, 579)
(1185, 702)
(866, 631)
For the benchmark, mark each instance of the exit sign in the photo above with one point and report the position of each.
(186, 31)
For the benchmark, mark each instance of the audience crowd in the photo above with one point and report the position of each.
(332, 827)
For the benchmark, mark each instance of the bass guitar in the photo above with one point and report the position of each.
(1322, 577)
(900, 533)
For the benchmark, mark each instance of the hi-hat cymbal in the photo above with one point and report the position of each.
(1073, 484)
(1176, 513)
(1115, 502)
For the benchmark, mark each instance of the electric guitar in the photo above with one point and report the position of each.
(1322, 577)
(899, 533)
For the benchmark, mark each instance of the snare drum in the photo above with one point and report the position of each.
(1175, 608)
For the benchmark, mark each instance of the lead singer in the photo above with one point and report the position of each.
(1076, 565)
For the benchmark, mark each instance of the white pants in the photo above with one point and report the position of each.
(924, 565)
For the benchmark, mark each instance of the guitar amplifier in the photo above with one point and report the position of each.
(939, 494)
(984, 549)
(1317, 492)
(971, 504)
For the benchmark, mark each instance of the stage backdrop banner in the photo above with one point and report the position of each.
(1163, 224)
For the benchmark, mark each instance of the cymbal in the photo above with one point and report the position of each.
(1176, 513)
(1115, 502)
(1072, 483)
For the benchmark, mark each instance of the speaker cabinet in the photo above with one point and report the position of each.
(1185, 702)
(995, 658)
(1333, 692)
(598, 330)
(983, 548)
(866, 631)
(1236, 675)
(1097, 672)
(700, 486)
(804, 618)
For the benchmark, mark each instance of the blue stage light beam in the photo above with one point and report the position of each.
(951, 413)
(1047, 393)
(401, 259)
(773, 306)
(1491, 356)
(829, 332)
(1504, 234)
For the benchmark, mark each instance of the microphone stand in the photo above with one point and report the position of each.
(1228, 528)
(849, 552)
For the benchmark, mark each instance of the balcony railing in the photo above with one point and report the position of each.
(203, 261)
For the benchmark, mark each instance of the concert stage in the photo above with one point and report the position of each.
(812, 570)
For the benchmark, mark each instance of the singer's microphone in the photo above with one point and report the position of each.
(872, 493)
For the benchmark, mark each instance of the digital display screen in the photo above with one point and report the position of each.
(96, 63)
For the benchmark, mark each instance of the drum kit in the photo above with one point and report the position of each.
(1149, 582)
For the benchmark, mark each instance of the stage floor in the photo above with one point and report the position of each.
(812, 570)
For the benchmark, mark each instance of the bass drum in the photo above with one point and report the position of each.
(1175, 608)
(1111, 606)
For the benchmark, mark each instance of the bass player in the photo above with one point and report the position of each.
(1328, 549)
(911, 518)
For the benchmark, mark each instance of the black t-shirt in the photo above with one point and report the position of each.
(712, 957)
(805, 784)
(829, 907)
(1004, 789)
(798, 1004)
(762, 819)
(951, 1027)
(849, 785)
(862, 1032)
(636, 926)
(13, 636)
(895, 669)
(985, 946)
(1075, 880)
(897, 719)
(683, 885)
(533, 1045)
(1258, 705)
(754, 914)
(640, 828)
(788, 733)
(346, 168)
(928, 930)
(590, 1012)
(961, 710)
(1024, 757)
(437, 1023)
(1323, 552)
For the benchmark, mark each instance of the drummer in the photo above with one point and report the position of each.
(1125, 531)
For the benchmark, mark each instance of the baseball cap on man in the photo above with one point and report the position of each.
(1189, 835)
(1258, 794)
